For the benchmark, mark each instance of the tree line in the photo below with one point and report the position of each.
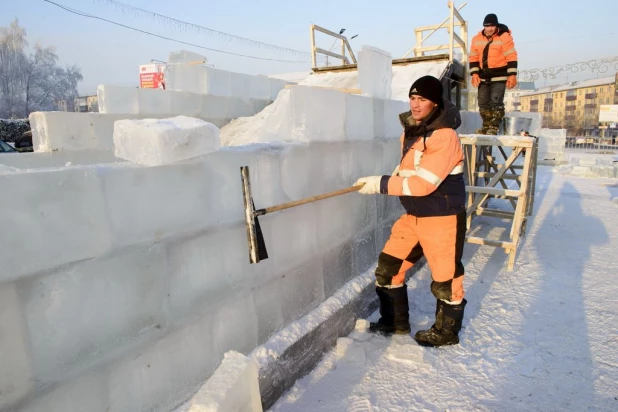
(32, 79)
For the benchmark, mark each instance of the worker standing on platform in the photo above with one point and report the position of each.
(429, 181)
(493, 67)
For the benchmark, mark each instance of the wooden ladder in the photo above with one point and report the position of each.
(489, 177)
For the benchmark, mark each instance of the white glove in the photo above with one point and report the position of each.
(396, 171)
(371, 185)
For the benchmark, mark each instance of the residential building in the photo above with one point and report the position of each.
(87, 103)
(574, 106)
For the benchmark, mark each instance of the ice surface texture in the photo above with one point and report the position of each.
(160, 141)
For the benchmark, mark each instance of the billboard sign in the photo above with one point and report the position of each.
(608, 113)
(151, 76)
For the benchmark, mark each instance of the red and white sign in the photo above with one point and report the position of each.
(151, 76)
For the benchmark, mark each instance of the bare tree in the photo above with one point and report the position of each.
(32, 82)
(12, 62)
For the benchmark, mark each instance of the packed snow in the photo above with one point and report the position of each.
(540, 338)
(275, 122)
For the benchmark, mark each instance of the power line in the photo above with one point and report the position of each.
(200, 30)
(83, 14)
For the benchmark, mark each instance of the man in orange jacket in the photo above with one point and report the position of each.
(429, 183)
(493, 67)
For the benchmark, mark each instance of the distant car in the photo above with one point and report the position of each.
(6, 148)
(24, 143)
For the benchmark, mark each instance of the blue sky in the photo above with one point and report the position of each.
(547, 33)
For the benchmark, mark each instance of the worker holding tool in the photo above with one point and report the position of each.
(493, 67)
(429, 181)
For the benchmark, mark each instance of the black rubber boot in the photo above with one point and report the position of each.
(394, 317)
(446, 329)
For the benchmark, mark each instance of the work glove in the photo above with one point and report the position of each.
(511, 82)
(371, 185)
(476, 80)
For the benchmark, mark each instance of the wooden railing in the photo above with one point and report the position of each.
(455, 41)
(345, 45)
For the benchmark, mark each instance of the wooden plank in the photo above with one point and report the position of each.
(312, 37)
(347, 44)
(494, 191)
(462, 21)
(490, 242)
(331, 54)
(420, 59)
(326, 31)
(496, 169)
(522, 204)
(506, 175)
(396, 62)
(508, 141)
(502, 214)
(504, 155)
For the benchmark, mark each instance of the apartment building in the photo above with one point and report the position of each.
(86, 103)
(574, 106)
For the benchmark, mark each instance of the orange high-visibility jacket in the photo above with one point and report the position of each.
(430, 178)
(493, 58)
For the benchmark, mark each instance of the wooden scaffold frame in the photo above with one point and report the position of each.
(487, 177)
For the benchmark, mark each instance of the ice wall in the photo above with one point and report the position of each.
(304, 113)
(375, 72)
(217, 82)
(551, 146)
(131, 100)
(122, 286)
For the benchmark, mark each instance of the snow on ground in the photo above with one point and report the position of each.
(541, 338)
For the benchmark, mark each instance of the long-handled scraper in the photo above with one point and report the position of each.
(257, 246)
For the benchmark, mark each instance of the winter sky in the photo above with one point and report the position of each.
(547, 33)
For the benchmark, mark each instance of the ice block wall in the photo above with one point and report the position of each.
(551, 149)
(122, 285)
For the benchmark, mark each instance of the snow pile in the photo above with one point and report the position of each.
(155, 142)
(260, 128)
(317, 113)
(233, 387)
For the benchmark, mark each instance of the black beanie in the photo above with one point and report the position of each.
(428, 87)
(490, 20)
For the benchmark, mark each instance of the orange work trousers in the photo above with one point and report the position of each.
(440, 239)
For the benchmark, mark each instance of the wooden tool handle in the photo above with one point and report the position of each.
(306, 200)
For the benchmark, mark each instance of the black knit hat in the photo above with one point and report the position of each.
(490, 20)
(428, 87)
